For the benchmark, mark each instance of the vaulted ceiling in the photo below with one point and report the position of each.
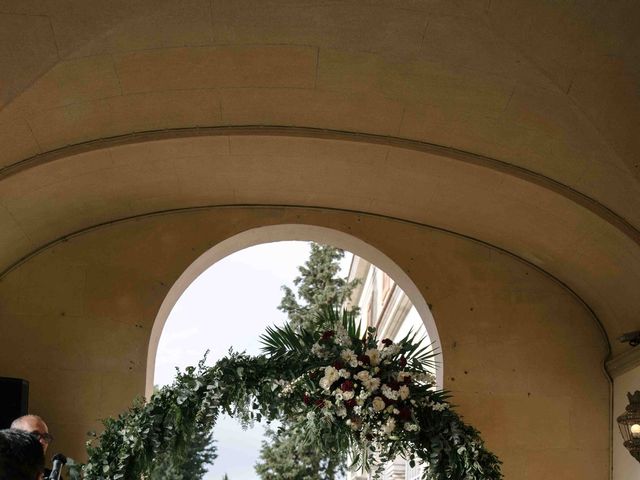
(514, 123)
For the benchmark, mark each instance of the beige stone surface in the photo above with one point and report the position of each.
(76, 192)
(521, 354)
(542, 96)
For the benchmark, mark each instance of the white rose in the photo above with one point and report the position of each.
(378, 404)
(324, 383)
(344, 373)
(363, 376)
(331, 373)
(341, 412)
(348, 395)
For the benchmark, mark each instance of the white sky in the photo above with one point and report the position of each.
(230, 305)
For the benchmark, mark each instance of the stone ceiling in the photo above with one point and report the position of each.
(511, 122)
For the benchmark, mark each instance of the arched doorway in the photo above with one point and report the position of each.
(281, 233)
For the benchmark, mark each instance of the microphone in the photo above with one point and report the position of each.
(59, 461)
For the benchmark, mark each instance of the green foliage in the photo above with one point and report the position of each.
(169, 437)
(318, 285)
(289, 457)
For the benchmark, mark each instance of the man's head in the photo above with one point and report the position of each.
(21, 456)
(35, 425)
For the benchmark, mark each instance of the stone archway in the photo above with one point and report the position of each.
(284, 232)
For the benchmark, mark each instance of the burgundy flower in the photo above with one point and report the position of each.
(393, 385)
(350, 403)
(313, 375)
(319, 403)
(328, 334)
(406, 379)
(387, 341)
(338, 365)
(364, 359)
(306, 399)
(346, 386)
(405, 414)
(402, 362)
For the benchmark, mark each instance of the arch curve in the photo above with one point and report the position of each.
(289, 232)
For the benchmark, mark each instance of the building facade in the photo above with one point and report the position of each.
(385, 306)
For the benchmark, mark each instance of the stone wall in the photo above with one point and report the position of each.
(522, 355)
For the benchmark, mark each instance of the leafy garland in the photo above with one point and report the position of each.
(338, 385)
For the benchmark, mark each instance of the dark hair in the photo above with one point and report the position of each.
(21, 456)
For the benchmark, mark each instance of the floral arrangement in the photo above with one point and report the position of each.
(343, 388)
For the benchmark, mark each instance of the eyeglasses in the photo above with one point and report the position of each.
(45, 437)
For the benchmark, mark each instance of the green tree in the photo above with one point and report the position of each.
(317, 285)
(284, 454)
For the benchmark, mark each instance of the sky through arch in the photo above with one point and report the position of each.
(229, 305)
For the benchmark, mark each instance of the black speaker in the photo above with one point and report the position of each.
(14, 400)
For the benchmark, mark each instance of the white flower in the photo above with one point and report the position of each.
(338, 394)
(318, 350)
(391, 350)
(439, 407)
(342, 337)
(350, 357)
(348, 395)
(344, 373)
(426, 377)
(411, 427)
(389, 426)
(404, 392)
(330, 376)
(389, 393)
(369, 382)
(378, 404)
(341, 412)
(311, 415)
(331, 373)
(373, 384)
(374, 356)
